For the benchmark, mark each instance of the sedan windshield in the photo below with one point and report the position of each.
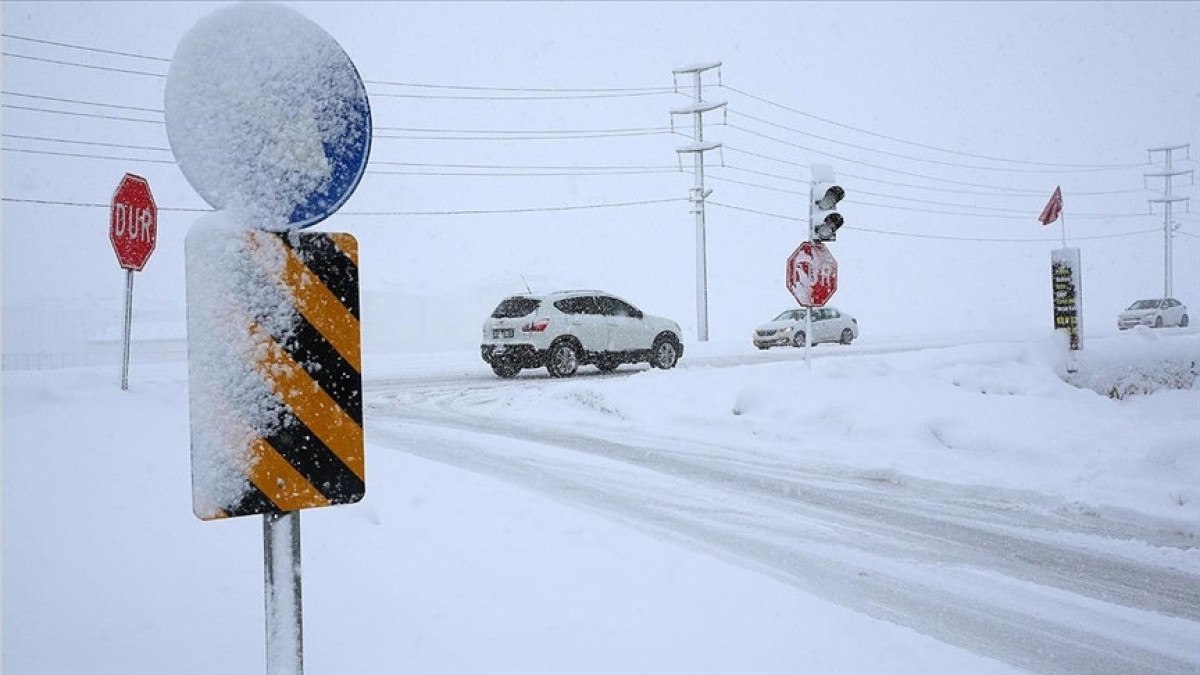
(790, 315)
(1145, 304)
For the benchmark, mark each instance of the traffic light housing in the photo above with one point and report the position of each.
(824, 220)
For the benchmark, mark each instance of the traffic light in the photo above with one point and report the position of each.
(824, 220)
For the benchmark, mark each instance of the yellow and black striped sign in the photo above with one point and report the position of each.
(309, 451)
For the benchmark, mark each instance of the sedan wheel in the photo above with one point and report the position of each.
(847, 336)
(664, 355)
(798, 340)
(563, 360)
(1183, 321)
(1158, 322)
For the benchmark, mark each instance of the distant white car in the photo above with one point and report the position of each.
(829, 324)
(567, 329)
(1154, 312)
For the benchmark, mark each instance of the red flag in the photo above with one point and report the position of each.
(1053, 207)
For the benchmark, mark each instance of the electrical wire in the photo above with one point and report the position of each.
(81, 65)
(1067, 168)
(10, 36)
(857, 228)
(468, 212)
(960, 153)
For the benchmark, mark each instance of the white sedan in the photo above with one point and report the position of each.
(828, 325)
(1156, 312)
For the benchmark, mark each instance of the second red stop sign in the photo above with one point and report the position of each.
(812, 274)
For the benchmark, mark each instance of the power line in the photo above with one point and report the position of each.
(48, 139)
(469, 212)
(12, 106)
(857, 228)
(1023, 214)
(10, 36)
(909, 199)
(80, 102)
(878, 135)
(81, 65)
(910, 174)
(54, 153)
(1015, 193)
(1070, 168)
(482, 134)
(876, 166)
(536, 97)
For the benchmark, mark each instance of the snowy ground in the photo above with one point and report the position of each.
(741, 513)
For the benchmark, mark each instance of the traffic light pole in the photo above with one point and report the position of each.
(809, 310)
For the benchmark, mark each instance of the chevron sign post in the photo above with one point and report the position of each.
(275, 136)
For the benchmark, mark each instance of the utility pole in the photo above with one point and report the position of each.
(698, 194)
(1168, 200)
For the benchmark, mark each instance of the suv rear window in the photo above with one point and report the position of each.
(511, 308)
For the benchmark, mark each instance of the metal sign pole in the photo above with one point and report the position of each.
(128, 324)
(807, 336)
(809, 310)
(281, 563)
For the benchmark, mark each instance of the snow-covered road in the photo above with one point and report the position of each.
(1016, 576)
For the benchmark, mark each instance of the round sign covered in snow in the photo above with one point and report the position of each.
(267, 116)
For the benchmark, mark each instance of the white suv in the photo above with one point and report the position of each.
(567, 329)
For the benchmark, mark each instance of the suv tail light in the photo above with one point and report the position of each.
(535, 326)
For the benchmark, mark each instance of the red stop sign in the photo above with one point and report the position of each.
(811, 274)
(133, 225)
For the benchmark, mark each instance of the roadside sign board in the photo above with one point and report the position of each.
(1067, 285)
(296, 359)
(812, 274)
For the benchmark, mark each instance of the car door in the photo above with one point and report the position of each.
(585, 322)
(1173, 313)
(627, 330)
(820, 325)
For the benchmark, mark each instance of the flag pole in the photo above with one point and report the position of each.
(1062, 220)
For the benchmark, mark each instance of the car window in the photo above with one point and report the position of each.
(617, 307)
(579, 305)
(516, 306)
(831, 314)
(786, 316)
(1144, 304)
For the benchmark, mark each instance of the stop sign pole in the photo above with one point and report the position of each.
(812, 281)
(133, 232)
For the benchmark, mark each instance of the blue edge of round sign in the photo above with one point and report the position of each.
(348, 161)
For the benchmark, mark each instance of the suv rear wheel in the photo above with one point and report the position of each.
(563, 360)
(664, 354)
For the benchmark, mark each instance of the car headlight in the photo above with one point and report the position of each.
(787, 330)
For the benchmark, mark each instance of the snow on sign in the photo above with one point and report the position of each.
(133, 222)
(274, 370)
(269, 121)
(811, 274)
(267, 116)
